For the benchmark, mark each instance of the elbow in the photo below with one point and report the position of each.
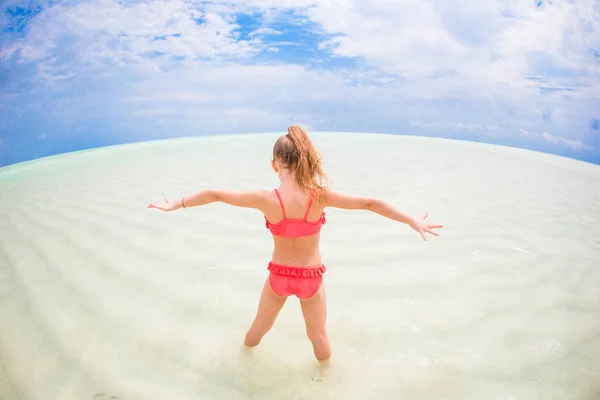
(371, 204)
(214, 195)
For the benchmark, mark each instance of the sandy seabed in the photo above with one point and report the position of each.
(101, 297)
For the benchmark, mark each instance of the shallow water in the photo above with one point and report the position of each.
(102, 297)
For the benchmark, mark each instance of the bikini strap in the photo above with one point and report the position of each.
(280, 202)
(308, 208)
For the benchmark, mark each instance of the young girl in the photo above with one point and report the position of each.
(294, 213)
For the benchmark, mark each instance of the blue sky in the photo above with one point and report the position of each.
(79, 74)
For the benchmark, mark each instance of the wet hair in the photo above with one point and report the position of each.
(297, 153)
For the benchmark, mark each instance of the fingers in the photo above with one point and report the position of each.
(158, 207)
(423, 235)
(432, 232)
(426, 215)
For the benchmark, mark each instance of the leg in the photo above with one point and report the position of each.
(314, 310)
(268, 308)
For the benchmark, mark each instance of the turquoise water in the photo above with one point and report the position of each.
(102, 297)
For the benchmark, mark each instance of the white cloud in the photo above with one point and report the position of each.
(171, 98)
(264, 32)
(402, 36)
(484, 43)
(153, 112)
(117, 32)
(434, 66)
(490, 41)
(573, 144)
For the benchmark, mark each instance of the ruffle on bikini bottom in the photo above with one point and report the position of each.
(298, 272)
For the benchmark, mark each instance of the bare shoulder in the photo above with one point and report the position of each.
(257, 198)
(346, 201)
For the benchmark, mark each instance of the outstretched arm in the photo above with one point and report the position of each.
(349, 202)
(249, 199)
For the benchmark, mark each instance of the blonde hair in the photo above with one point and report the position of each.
(297, 153)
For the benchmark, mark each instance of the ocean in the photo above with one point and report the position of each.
(102, 298)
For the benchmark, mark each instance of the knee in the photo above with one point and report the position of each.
(316, 336)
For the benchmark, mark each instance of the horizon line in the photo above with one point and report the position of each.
(310, 132)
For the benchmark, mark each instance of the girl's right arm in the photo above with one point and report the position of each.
(377, 206)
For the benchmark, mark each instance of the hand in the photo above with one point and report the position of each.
(168, 206)
(421, 226)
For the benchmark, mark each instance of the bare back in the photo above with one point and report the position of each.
(300, 251)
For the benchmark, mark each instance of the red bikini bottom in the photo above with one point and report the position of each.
(299, 281)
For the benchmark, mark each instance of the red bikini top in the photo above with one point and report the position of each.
(291, 228)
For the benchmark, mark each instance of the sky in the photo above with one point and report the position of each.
(81, 74)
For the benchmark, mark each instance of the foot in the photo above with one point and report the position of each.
(323, 371)
(245, 349)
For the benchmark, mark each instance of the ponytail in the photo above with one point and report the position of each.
(297, 152)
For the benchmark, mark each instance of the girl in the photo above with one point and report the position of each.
(294, 213)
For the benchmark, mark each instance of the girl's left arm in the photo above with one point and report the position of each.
(248, 199)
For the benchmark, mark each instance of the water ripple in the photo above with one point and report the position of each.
(112, 299)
